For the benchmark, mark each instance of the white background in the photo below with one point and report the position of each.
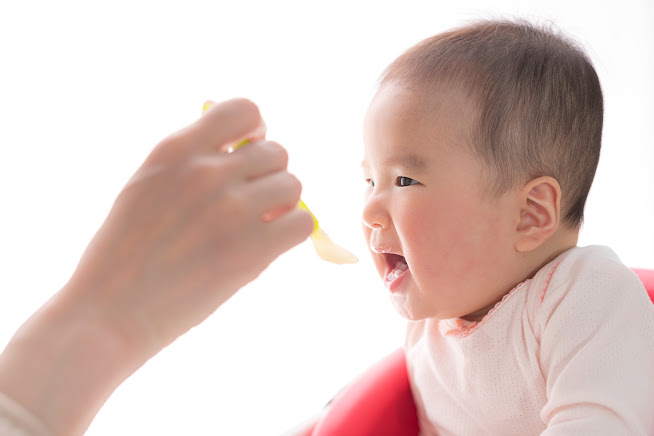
(88, 88)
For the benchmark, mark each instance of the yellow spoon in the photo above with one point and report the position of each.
(324, 246)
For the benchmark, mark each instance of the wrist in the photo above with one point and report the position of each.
(64, 363)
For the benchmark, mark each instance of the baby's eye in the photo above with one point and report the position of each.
(370, 183)
(406, 181)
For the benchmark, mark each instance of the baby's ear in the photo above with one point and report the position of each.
(540, 203)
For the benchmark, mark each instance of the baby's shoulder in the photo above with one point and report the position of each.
(588, 284)
(594, 271)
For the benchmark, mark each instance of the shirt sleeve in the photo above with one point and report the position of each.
(15, 420)
(597, 354)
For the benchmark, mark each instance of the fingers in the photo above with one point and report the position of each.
(217, 172)
(278, 191)
(261, 158)
(227, 123)
(222, 126)
(288, 230)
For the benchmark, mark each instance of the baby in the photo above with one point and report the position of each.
(481, 145)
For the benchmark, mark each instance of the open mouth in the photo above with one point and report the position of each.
(396, 267)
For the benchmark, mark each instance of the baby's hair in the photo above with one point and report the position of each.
(536, 95)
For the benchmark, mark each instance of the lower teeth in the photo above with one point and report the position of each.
(399, 269)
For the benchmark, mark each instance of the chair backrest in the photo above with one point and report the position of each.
(380, 403)
(647, 277)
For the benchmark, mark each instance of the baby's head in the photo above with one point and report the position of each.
(481, 145)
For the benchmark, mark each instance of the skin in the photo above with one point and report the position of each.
(182, 237)
(464, 250)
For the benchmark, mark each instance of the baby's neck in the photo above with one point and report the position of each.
(564, 239)
(528, 264)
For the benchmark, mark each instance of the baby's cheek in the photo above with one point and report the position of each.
(429, 225)
(448, 237)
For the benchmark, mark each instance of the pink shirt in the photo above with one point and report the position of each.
(568, 352)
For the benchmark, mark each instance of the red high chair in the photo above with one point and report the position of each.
(379, 402)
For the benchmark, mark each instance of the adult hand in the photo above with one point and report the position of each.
(187, 230)
(192, 226)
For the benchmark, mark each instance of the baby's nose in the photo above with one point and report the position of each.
(375, 215)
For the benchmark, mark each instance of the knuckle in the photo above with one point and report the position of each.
(294, 185)
(247, 110)
(246, 106)
(267, 156)
(306, 226)
(198, 173)
(234, 206)
(277, 149)
(168, 147)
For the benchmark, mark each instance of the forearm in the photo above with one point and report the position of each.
(63, 364)
(182, 237)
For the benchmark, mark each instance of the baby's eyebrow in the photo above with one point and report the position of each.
(409, 161)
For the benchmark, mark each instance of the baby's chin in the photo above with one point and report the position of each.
(415, 310)
(403, 306)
